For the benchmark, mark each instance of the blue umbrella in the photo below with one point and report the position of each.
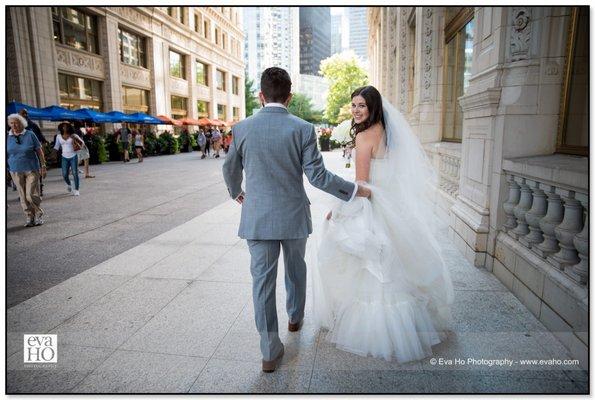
(119, 116)
(33, 112)
(55, 113)
(87, 114)
(142, 118)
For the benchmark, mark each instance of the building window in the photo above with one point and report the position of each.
(77, 92)
(202, 73)
(135, 100)
(131, 48)
(177, 65)
(221, 112)
(221, 80)
(458, 55)
(573, 122)
(75, 28)
(179, 107)
(224, 41)
(236, 113)
(206, 32)
(217, 36)
(235, 85)
(203, 108)
(176, 13)
(197, 22)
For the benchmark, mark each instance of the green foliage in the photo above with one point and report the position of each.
(345, 74)
(301, 106)
(114, 148)
(97, 150)
(51, 156)
(151, 144)
(251, 99)
(168, 144)
(186, 142)
(344, 113)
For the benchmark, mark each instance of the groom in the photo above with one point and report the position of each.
(275, 148)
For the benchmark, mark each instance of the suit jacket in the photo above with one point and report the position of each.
(275, 149)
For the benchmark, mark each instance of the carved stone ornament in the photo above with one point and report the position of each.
(520, 33)
(427, 72)
(80, 63)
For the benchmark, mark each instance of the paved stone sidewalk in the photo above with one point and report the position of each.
(175, 315)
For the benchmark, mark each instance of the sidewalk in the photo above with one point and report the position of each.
(175, 315)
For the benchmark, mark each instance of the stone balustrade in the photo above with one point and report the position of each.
(551, 220)
(449, 173)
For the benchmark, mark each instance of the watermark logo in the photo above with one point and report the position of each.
(40, 348)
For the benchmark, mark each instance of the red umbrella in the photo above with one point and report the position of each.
(170, 121)
(217, 122)
(204, 122)
(231, 123)
(189, 121)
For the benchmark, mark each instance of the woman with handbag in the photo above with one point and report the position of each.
(83, 154)
(70, 143)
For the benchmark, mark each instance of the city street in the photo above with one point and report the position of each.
(122, 207)
(147, 287)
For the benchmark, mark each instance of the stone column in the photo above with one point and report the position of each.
(580, 271)
(213, 88)
(553, 217)
(109, 50)
(534, 215)
(565, 232)
(514, 195)
(521, 210)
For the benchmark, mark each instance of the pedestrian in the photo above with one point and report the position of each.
(201, 140)
(83, 154)
(139, 145)
(70, 143)
(124, 138)
(216, 138)
(26, 163)
(209, 136)
(32, 126)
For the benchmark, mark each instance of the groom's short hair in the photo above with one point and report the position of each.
(275, 85)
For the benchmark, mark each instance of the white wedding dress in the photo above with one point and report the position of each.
(380, 285)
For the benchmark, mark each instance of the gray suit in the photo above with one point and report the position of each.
(275, 149)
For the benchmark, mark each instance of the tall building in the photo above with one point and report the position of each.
(272, 40)
(176, 61)
(336, 34)
(506, 127)
(315, 38)
(358, 31)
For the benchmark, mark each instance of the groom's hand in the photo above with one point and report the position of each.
(329, 215)
(363, 191)
(240, 198)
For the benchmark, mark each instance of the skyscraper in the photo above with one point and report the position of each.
(358, 31)
(272, 40)
(315, 38)
(336, 46)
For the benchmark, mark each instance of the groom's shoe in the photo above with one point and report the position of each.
(271, 366)
(295, 327)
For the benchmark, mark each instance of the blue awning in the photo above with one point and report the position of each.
(142, 118)
(89, 115)
(119, 116)
(33, 112)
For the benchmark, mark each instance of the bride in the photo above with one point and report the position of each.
(380, 284)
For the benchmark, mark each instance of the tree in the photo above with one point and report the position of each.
(344, 113)
(345, 74)
(301, 106)
(251, 102)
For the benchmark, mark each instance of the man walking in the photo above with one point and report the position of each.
(275, 149)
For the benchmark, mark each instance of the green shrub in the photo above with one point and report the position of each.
(97, 150)
(187, 142)
(195, 146)
(114, 148)
(151, 144)
(168, 144)
(51, 157)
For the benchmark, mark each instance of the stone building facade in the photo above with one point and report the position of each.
(499, 98)
(175, 61)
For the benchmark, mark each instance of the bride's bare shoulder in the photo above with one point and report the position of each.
(371, 135)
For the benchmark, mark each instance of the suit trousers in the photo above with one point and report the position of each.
(263, 267)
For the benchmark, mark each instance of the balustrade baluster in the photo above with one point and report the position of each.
(521, 209)
(565, 232)
(534, 215)
(514, 195)
(580, 271)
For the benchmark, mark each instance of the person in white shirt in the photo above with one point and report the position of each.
(67, 140)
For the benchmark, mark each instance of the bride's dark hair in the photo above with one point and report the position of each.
(374, 103)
